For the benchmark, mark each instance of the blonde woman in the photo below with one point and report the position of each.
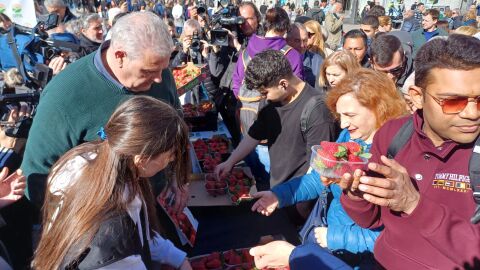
(335, 68)
(316, 41)
(384, 24)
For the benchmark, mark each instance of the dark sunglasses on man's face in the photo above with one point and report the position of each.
(396, 71)
(455, 105)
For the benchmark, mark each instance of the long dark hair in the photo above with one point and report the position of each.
(140, 126)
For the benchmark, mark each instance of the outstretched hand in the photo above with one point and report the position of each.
(266, 204)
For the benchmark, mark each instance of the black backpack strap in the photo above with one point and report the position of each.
(18, 59)
(474, 172)
(401, 138)
(307, 111)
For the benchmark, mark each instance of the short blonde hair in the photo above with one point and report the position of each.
(343, 59)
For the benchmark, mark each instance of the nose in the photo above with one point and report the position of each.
(158, 77)
(470, 111)
(344, 123)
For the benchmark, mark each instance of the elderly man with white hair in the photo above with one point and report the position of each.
(61, 8)
(78, 102)
(91, 32)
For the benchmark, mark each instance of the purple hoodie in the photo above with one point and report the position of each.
(258, 44)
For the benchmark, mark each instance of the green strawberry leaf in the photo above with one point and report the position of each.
(320, 164)
(341, 152)
(365, 155)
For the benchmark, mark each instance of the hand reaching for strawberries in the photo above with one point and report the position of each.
(266, 204)
(223, 169)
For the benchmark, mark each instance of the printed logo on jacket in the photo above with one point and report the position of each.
(452, 182)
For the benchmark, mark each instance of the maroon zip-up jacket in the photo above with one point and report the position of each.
(438, 233)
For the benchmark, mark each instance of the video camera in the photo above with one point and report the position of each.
(225, 18)
(39, 75)
(15, 96)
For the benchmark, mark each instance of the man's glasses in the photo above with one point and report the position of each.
(310, 35)
(455, 105)
(396, 71)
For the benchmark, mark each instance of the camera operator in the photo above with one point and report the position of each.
(194, 49)
(222, 63)
(61, 8)
(91, 33)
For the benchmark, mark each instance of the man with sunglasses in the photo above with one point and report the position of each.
(423, 197)
(388, 56)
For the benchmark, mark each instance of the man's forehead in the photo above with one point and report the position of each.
(354, 42)
(247, 10)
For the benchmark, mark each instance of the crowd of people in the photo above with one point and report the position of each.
(108, 136)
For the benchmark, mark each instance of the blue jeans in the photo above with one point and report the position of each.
(259, 162)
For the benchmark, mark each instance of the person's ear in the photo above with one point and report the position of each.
(416, 95)
(139, 161)
(119, 55)
(283, 83)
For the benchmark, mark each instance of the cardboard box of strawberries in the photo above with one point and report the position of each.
(201, 117)
(188, 76)
(211, 152)
(234, 259)
(185, 223)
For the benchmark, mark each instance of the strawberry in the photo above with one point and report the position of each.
(340, 171)
(354, 158)
(337, 150)
(327, 160)
(214, 264)
(352, 147)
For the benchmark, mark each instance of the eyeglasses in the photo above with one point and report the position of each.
(396, 71)
(310, 35)
(455, 105)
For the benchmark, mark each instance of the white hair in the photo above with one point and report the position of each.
(192, 24)
(88, 19)
(111, 13)
(54, 3)
(138, 32)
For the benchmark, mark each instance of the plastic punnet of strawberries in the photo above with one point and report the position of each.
(333, 160)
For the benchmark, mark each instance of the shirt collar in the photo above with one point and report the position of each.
(443, 150)
(97, 61)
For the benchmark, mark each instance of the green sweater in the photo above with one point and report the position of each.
(73, 107)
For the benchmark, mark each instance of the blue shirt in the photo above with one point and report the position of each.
(97, 61)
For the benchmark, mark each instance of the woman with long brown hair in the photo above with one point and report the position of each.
(99, 208)
(335, 68)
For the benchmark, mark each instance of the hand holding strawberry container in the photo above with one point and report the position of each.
(333, 160)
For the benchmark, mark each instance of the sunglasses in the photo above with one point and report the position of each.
(455, 105)
(310, 35)
(396, 71)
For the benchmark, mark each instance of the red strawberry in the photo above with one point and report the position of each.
(354, 158)
(352, 147)
(342, 170)
(329, 147)
(214, 264)
(327, 159)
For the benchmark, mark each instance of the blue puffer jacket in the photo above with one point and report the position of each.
(343, 233)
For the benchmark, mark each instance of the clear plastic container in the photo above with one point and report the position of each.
(333, 168)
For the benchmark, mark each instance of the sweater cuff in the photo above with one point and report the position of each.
(283, 194)
(427, 221)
